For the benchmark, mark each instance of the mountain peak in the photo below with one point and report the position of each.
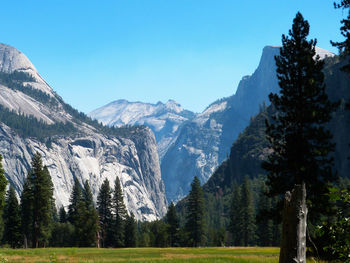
(12, 59)
(272, 50)
(323, 53)
(174, 106)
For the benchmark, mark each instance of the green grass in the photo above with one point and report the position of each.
(147, 255)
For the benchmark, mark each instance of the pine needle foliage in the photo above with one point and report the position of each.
(12, 220)
(121, 215)
(301, 144)
(104, 208)
(37, 204)
(3, 184)
(195, 223)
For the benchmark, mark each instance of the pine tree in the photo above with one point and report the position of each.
(104, 208)
(62, 215)
(12, 220)
(62, 234)
(27, 201)
(173, 225)
(120, 213)
(87, 219)
(75, 198)
(74, 211)
(130, 236)
(63, 231)
(3, 184)
(37, 204)
(159, 233)
(344, 47)
(236, 217)
(265, 226)
(248, 214)
(195, 214)
(299, 140)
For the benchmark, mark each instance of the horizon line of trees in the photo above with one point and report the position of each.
(35, 222)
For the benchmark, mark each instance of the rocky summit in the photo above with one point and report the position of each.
(165, 119)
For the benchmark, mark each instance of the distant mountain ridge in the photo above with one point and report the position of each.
(163, 119)
(251, 148)
(33, 118)
(204, 141)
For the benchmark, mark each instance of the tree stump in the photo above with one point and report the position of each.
(293, 244)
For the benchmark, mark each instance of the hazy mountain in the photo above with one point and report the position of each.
(163, 119)
(33, 118)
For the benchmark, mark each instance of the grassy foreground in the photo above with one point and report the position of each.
(173, 255)
(147, 255)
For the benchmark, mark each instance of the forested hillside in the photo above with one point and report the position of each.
(251, 148)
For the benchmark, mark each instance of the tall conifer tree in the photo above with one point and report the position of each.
(344, 46)
(236, 217)
(37, 204)
(12, 220)
(104, 208)
(3, 184)
(248, 226)
(76, 213)
(265, 226)
(62, 215)
(27, 200)
(87, 219)
(75, 198)
(195, 214)
(130, 231)
(120, 213)
(300, 142)
(173, 225)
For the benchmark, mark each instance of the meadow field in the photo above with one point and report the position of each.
(148, 255)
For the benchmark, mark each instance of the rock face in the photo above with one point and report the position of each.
(89, 153)
(216, 129)
(205, 142)
(163, 119)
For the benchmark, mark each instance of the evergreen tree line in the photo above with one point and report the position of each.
(34, 221)
(14, 81)
(238, 220)
(29, 126)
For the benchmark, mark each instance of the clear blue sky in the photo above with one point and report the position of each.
(192, 51)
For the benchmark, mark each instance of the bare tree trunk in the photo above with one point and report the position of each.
(98, 239)
(293, 244)
(25, 242)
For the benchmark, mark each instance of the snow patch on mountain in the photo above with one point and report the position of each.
(323, 53)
